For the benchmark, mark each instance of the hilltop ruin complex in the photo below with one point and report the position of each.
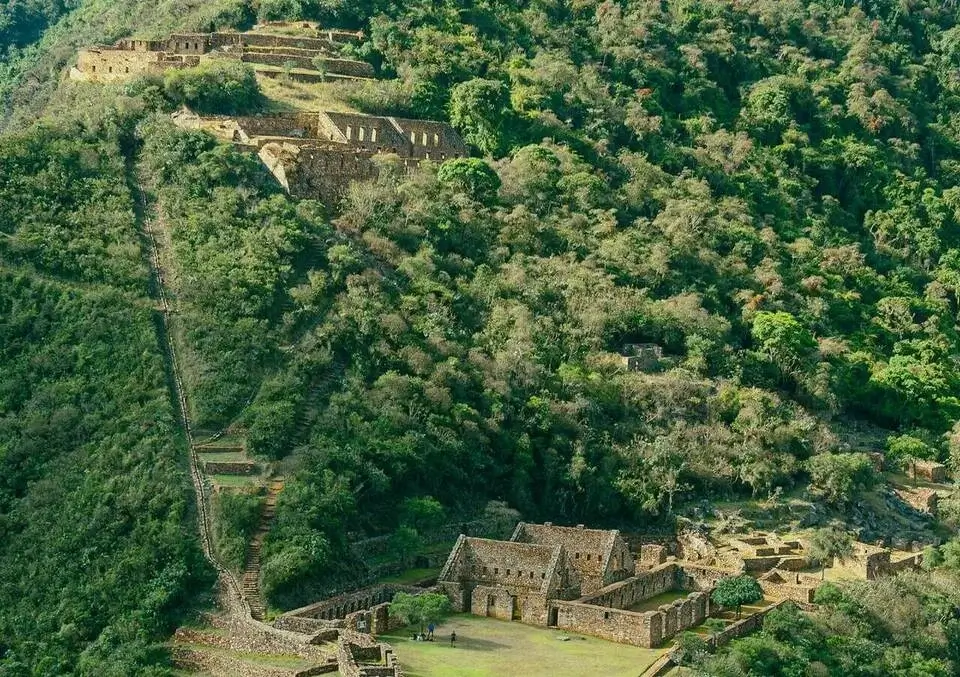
(301, 57)
(312, 155)
(317, 155)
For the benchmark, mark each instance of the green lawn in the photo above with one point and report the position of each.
(411, 576)
(657, 601)
(492, 648)
(235, 480)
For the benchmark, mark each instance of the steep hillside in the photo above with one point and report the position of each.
(761, 193)
(98, 551)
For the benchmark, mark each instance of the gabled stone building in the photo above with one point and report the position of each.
(601, 557)
(507, 580)
(304, 56)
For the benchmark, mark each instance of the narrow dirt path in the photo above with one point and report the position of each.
(148, 227)
(240, 628)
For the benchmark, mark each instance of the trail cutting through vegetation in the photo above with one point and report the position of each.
(146, 227)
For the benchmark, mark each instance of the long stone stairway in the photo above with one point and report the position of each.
(251, 572)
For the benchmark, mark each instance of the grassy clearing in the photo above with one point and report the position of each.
(224, 457)
(491, 648)
(284, 94)
(657, 601)
(411, 576)
(235, 481)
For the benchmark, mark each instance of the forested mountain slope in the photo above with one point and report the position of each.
(766, 189)
(98, 551)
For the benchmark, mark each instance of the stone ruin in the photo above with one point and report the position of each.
(930, 471)
(304, 58)
(577, 579)
(317, 155)
(871, 562)
(641, 356)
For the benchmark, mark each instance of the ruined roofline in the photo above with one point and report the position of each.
(451, 558)
(519, 547)
(530, 528)
(553, 568)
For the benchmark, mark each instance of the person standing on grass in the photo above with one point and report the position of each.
(453, 638)
(430, 629)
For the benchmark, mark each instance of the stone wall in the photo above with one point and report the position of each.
(342, 605)
(653, 554)
(305, 626)
(782, 585)
(601, 557)
(346, 67)
(616, 625)
(699, 577)
(380, 545)
(634, 590)
(356, 660)
(743, 627)
(931, 471)
(502, 603)
(646, 629)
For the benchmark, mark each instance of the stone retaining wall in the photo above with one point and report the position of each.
(341, 606)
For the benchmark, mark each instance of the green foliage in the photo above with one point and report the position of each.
(902, 448)
(765, 190)
(479, 109)
(841, 478)
(893, 626)
(736, 591)
(691, 649)
(419, 610)
(236, 516)
(99, 557)
(471, 176)
(827, 544)
(219, 86)
(782, 338)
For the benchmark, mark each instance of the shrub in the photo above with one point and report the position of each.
(840, 478)
(215, 87)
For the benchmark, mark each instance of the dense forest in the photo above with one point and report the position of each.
(98, 548)
(765, 188)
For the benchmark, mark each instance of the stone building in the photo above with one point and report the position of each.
(931, 471)
(641, 356)
(578, 579)
(303, 57)
(601, 557)
(507, 580)
(317, 155)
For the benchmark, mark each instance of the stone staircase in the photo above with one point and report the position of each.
(251, 572)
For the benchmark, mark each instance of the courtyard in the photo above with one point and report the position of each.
(490, 648)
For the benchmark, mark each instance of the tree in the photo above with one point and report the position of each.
(472, 176)
(691, 649)
(840, 478)
(423, 513)
(736, 591)
(828, 544)
(404, 543)
(782, 338)
(427, 607)
(479, 109)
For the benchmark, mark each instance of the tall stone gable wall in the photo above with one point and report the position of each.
(600, 557)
